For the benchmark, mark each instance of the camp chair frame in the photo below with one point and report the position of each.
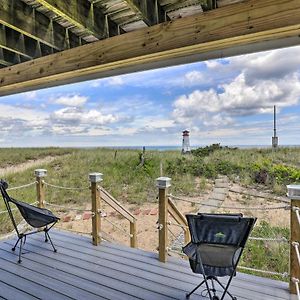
(44, 218)
(239, 247)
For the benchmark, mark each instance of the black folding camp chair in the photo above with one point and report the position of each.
(36, 217)
(217, 243)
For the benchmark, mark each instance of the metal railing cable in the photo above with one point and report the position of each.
(265, 239)
(296, 282)
(176, 251)
(284, 275)
(178, 225)
(296, 246)
(183, 199)
(297, 212)
(278, 199)
(103, 216)
(285, 207)
(65, 188)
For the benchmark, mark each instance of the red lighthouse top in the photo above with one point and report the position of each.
(185, 133)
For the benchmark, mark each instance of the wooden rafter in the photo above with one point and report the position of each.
(15, 42)
(26, 20)
(150, 11)
(244, 27)
(84, 18)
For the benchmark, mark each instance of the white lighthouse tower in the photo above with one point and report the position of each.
(186, 148)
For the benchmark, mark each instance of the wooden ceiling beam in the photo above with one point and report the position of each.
(245, 27)
(83, 15)
(150, 11)
(22, 18)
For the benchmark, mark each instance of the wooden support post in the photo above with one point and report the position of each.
(163, 184)
(133, 237)
(294, 195)
(95, 178)
(40, 186)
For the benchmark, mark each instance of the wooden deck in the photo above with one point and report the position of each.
(80, 270)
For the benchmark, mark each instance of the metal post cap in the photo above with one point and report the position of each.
(293, 191)
(163, 182)
(95, 177)
(40, 173)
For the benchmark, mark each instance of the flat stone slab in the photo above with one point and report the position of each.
(221, 184)
(220, 190)
(217, 196)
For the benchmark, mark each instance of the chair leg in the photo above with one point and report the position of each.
(218, 281)
(14, 247)
(47, 234)
(20, 251)
(226, 289)
(196, 288)
(46, 238)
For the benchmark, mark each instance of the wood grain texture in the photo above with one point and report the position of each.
(80, 270)
(96, 218)
(238, 25)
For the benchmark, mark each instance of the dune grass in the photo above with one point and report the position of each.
(13, 156)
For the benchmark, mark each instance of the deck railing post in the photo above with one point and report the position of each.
(133, 236)
(40, 186)
(294, 195)
(95, 179)
(163, 184)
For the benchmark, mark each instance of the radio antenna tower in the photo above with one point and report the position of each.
(275, 137)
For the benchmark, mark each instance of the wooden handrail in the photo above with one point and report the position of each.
(117, 206)
(112, 202)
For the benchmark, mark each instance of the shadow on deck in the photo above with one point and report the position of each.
(82, 271)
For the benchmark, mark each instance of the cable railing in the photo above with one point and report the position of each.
(97, 193)
(267, 237)
(165, 226)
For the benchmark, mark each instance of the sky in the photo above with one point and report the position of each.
(228, 101)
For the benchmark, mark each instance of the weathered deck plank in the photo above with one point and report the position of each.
(82, 271)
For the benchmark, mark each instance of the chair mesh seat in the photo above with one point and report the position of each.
(35, 216)
(217, 242)
(217, 260)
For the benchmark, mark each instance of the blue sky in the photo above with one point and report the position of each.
(228, 101)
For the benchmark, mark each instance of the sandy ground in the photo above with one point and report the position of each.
(147, 233)
(147, 216)
(26, 165)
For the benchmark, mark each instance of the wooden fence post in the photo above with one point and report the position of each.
(163, 184)
(294, 195)
(95, 178)
(40, 186)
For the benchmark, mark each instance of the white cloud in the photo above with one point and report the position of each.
(30, 95)
(117, 80)
(73, 115)
(74, 100)
(237, 98)
(193, 77)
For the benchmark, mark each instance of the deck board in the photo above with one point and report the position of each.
(80, 270)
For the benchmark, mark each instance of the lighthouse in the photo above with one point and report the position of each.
(186, 149)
